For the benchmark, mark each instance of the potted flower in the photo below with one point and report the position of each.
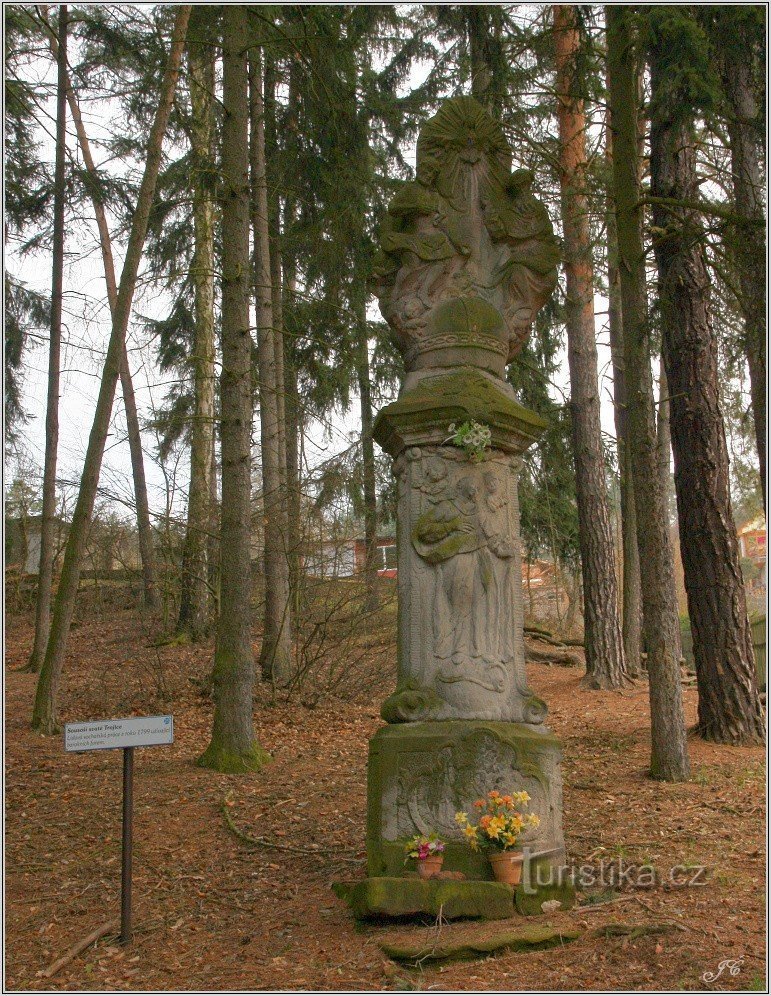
(428, 851)
(499, 827)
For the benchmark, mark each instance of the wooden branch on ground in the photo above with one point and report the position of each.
(538, 633)
(111, 927)
(564, 658)
(262, 842)
(633, 930)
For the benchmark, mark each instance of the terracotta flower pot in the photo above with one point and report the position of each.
(430, 866)
(507, 866)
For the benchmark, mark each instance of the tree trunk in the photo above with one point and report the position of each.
(233, 747)
(292, 407)
(276, 651)
(144, 528)
(48, 521)
(368, 465)
(632, 595)
(664, 454)
(44, 717)
(729, 705)
(213, 539)
(194, 600)
(669, 755)
(605, 663)
(276, 274)
(488, 66)
(745, 132)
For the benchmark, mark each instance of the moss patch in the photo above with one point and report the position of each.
(528, 938)
(392, 898)
(232, 763)
(529, 903)
(424, 413)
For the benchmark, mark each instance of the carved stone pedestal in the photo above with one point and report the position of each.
(421, 774)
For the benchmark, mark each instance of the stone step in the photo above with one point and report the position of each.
(388, 898)
(462, 948)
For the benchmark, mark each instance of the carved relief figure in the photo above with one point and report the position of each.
(433, 789)
(464, 533)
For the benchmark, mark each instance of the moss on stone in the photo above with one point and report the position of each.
(468, 389)
(231, 762)
(529, 901)
(396, 898)
(467, 317)
(528, 938)
(422, 414)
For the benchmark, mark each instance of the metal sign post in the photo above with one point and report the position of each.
(127, 855)
(126, 734)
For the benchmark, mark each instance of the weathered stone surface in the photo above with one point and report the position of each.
(392, 897)
(420, 416)
(460, 648)
(469, 256)
(468, 252)
(530, 938)
(421, 774)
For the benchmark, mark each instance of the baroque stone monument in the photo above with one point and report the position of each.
(468, 257)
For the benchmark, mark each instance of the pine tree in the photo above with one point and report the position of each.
(737, 35)
(631, 621)
(276, 651)
(729, 706)
(669, 756)
(48, 524)
(605, 661)
(194, 597)
(28, 191)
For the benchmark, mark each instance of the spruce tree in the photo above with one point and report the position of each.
(45, 712)
(233, 747)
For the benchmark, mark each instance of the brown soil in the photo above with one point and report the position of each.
(212, 912)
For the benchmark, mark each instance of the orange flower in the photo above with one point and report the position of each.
(494, 794)
(479, 803)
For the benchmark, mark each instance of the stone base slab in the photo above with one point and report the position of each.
(421, 774)
(385, 897)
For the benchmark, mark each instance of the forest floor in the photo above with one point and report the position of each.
(212, 912)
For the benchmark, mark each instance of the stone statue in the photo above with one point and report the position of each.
(468, 257)
(467, 228)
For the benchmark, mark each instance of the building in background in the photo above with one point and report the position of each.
(752, 540)
(344, 557)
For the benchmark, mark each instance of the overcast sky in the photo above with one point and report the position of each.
(86, 332)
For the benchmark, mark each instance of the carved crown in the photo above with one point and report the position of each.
(468, 253)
